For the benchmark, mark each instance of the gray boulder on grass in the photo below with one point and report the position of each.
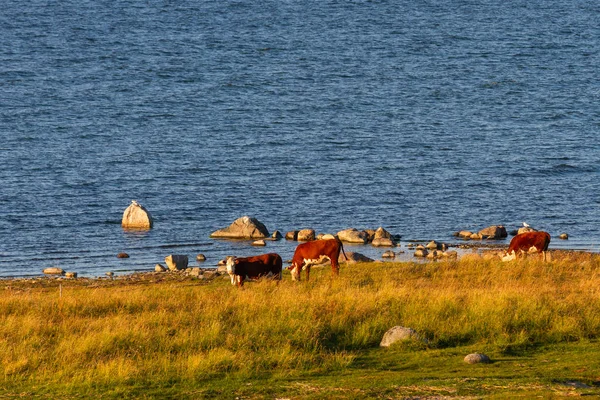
(477, 358)
(242, 228)
(396, 334)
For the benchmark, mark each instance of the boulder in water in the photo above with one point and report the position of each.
(136, 217)
(242, 228)
(352, 235)
(176, 262)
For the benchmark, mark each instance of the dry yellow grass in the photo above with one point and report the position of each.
(113, 333)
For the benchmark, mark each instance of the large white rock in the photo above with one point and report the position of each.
(306, 235)
(242, 228)
(136, 217)
(352, 235)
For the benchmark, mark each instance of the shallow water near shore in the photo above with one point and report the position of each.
(422, 118)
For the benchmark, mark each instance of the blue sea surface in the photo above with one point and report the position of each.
(420, 117)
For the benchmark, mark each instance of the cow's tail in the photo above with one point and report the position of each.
(343, 252)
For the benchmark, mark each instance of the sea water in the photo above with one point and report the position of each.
(422, 117)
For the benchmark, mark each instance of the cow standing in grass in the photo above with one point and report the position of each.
(246, 268)
(313, 253)
(527, 243)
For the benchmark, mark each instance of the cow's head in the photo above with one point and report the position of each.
(230, 262)
(295, 271)
(509, 256)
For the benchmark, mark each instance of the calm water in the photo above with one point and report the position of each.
(422, 118)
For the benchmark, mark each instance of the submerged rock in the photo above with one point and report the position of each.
(353, 257)
(388, 254)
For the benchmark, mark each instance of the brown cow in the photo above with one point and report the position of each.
(528, 242)
(315, 252)
(240, 269)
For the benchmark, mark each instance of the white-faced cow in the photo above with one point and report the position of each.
(243, 268)
(313, 253)
(526, 243)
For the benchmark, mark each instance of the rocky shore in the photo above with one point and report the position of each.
(479, 243)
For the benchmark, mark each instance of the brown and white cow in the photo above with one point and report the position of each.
(243, 268)
(526, 243)
(313, 253)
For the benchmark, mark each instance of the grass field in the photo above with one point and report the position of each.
(166, 336)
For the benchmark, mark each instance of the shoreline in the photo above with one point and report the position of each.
(486, 251)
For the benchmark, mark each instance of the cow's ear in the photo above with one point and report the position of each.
(236, 261)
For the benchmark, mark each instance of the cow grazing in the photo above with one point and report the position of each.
(313, 253)
(528, 242)
(243, 268)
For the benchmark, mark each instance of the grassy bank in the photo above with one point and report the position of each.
(539, 322)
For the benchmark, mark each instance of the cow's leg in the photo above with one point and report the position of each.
(335, 266)
(307, 272)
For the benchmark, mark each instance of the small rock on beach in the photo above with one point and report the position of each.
(53, 271)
